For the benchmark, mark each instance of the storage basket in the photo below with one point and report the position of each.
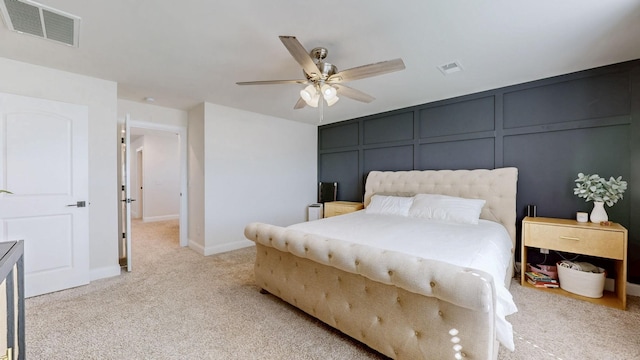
(580, 282)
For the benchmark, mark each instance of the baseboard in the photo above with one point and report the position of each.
(217, 249)
(211, 250)
(104, 272)
(633, 289)
(195, 247)
(160, 218)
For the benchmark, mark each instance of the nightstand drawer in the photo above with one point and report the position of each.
(601, 243)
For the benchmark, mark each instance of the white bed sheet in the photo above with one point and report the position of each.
(485, 246)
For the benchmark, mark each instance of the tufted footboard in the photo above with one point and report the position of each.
(400, 305)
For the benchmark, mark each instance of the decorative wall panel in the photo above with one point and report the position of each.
(343, 168)
(390, 128)
(583, 98)
(463, 117)
(464, 154)
(338, 136)
(549, 129)
(391, 158)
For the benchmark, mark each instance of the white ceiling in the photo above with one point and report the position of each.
(185, 52)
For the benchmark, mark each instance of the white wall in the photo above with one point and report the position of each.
(152, 118)
(161, 176)
(100, 96)
(160, 151)
(258, 168)
(143, 112)
(196, 180)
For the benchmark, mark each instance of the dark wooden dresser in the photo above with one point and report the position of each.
(12, 300)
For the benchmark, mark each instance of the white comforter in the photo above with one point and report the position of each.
(485, 246)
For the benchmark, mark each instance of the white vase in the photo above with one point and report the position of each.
(598, 213)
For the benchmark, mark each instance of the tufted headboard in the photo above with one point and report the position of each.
(498, 187)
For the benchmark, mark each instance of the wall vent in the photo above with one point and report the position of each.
(30, 17)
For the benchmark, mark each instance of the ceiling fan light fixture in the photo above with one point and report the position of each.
(323, 78)
(329, 92)
(314, 100)
(308, 93)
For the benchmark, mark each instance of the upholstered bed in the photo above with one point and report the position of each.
(402, 304)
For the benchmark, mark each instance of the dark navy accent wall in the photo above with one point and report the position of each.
(550, 129)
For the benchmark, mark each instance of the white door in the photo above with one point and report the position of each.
(43, 159)
(127, 189)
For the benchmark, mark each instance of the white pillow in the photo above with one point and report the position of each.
(389, 205)
(446, 208)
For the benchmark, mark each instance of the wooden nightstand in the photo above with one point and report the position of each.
(580, 238)
(333, 208)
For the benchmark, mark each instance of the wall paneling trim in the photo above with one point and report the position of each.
(549, 129)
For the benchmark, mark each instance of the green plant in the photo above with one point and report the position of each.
(595, 188)
(5, 191)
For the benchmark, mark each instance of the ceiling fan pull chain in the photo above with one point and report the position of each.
(321, 109)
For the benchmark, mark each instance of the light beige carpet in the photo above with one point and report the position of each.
(177, 304)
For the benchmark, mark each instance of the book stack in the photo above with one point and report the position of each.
(541, 280)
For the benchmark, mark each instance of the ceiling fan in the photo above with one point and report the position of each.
(324, 79)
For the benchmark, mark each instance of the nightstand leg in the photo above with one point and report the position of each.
(523, 260)
(621, 282)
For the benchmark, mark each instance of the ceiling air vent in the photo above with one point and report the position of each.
(29, 17)
(450, 68)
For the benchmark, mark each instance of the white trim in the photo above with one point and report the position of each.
(160, 218)
(218, 249)
(633, 289)
(196, 247)
(230, 246)
(182, 138)
(104, 272)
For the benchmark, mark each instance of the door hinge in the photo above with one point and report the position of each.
(122, 140)
(124, 236)
(8, 355)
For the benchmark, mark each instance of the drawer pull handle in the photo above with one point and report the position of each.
(569, 238)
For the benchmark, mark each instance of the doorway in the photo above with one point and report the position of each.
(154, 175)
(157, 177)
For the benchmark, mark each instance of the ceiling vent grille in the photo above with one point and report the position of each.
(29, 17)
(450, 68)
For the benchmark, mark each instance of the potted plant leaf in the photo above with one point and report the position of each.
(601, 191)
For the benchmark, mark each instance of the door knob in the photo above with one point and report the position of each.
(78, 204)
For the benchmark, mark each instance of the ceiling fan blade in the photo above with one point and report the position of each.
(301, 55)
(272, 82)
(300, 104)
(352, 93)
(366, 71)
